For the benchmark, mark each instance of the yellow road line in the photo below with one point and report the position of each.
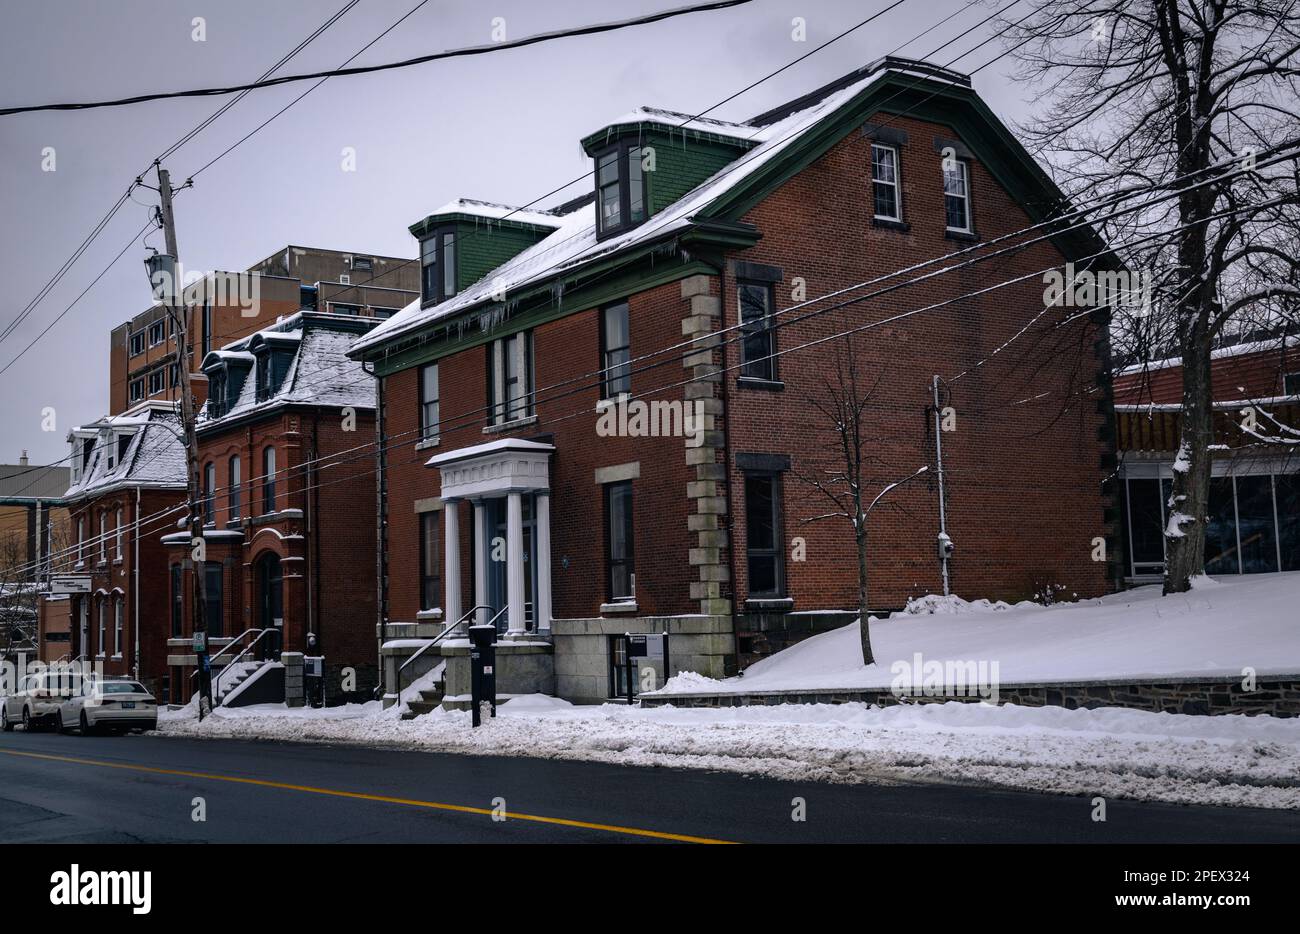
(385, 799)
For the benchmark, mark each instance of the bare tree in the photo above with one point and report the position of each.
(1191, 104)
(845, 407)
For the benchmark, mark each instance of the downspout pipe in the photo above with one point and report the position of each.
(381, 519)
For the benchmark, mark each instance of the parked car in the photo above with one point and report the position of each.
(38, 700)
(117, 704)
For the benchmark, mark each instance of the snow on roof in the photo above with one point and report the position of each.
(575, 243)
(1219, 353)
(680, 121)
(319, 374)
(155, 455)
(490, 209)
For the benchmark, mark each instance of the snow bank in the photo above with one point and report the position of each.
(1221, 627)
(1252, 762)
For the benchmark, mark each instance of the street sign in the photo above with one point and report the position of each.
(200, 641)
(70, 584)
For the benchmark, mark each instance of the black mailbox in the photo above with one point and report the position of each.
(482, 669)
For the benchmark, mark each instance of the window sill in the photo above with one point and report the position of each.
(622, 606)
(506, 427)
(117, 560)
(764, 385)
(967, 235)
(770, 604)
(426, 443)
(889, 223)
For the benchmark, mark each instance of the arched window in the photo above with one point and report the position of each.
(210, 493)
(234, 488)
(268, 480)
(117, 626)
(103, 624)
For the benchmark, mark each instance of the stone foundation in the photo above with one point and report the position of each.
(1279, 697)
(704, 644)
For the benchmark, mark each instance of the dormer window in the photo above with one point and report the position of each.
(438, 266)
(123, 442)
(265, 383)
(620, 189)
(217, 394)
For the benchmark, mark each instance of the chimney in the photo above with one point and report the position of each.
(22, 461)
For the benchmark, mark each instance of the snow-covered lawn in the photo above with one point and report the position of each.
(1218, 629)
(1253, 762)
(1223, 626)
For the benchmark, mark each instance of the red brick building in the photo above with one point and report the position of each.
(289, 507)
(1253, 525)
(507, 484)
(128, 489)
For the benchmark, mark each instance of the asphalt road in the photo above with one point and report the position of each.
(68, 788)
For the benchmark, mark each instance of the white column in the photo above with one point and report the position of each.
(515, 565)
(482, 559)
(451, 558)
(542, 607)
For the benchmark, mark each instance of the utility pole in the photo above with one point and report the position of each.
(194, 485)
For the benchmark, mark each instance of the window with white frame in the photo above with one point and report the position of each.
(103, 537)
(157, 333)
(117, 626)
(137, 389)
(137, 343)
(429, 402)
(157, 381)
(118, 537)
(956, 195)
(103, 624)
(884, 183)
(510, 378)
(81, 539)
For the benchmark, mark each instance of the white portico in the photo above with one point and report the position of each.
(508, 483)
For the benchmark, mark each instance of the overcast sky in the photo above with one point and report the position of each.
(501, 127)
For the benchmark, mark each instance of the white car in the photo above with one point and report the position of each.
(38, 700)
(114, 704)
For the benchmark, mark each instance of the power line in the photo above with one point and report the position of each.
(466, 51)
(337, 459)
(185, 138)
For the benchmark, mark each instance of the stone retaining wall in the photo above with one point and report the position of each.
(1279, 696)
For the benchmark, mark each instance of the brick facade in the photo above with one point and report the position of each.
(1025, 465)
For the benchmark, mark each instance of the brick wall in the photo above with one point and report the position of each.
(1024, 465)
(1240, 376)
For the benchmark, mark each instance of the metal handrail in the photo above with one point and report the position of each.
(434, 641)
(216, 682)
(228, 646)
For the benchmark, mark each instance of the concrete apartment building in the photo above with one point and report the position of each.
(142, 349)
(506, 495)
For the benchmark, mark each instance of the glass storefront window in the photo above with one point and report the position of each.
(1221, 529)
(1255, 525)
